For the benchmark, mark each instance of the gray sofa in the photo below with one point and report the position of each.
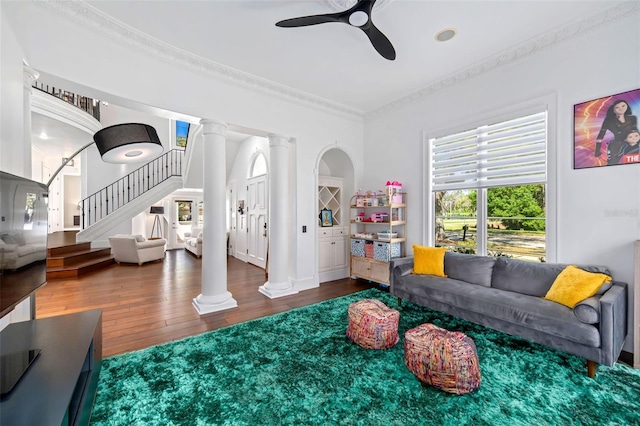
(506, 295)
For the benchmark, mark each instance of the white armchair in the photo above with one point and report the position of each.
(193, 241)
(136, 249)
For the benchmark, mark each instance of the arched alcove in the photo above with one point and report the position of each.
(335, 179)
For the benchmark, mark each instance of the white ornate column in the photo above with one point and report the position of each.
(278, 284)
(30, 75)
(214, 296)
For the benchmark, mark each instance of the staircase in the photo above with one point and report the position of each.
(130, 195)
(68, 259)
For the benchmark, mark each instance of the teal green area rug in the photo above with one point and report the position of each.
(298, 368)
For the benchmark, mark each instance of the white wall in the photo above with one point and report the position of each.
(11, 103)
(597, 64)
(135, 74)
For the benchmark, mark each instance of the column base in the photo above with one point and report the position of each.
(273, 291)
(208, 304)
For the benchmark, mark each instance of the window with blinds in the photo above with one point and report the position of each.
(512, 152)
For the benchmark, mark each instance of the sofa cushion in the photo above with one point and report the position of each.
(534, 313)
(429, 260)
(471, 268)
(573, 285)
(588, 311)
(519, 276)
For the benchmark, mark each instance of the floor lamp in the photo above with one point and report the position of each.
(157, 210)
(122, 143)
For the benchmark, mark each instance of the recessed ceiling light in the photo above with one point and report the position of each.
(446, 34)
(43, 135)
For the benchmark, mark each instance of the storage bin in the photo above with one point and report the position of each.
(357, 247)
(386, 251)
(368, 249)
(386, 235)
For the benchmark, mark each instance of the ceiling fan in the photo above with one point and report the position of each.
(358, 16)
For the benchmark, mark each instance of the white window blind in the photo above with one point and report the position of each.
(512, 152)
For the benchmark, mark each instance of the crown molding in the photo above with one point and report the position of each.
(548, 40)
(96, 21)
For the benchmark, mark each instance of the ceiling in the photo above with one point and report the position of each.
(336, 62)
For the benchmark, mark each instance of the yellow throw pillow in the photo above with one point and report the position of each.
(428, 260)
(573, 285)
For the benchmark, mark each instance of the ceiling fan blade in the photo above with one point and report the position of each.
(305, 21)
(380, 42)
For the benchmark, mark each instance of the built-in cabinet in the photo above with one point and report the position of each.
(333, 255)
(330, 198)
(332, 249)
(377, 235)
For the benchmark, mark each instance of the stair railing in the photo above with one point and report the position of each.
(89, 105)
(110, 198)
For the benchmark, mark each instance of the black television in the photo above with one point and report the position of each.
(23, 239)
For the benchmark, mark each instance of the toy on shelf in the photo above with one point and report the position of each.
(393, 187)
(379, 217)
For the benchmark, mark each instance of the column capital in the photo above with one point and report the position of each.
(214, 126)
(277, 140)
(30, 75)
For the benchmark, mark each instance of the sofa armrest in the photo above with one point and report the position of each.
(151, 243)
(8, 248)
(613, 322)
(399, 267)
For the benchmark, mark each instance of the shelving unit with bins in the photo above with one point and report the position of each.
(374, 264)
(333, 259)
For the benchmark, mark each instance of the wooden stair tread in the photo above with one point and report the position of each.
(82, 252)
(80, 268)
(80, 265)
(67, 258)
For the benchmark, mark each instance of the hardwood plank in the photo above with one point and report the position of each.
(152, 304)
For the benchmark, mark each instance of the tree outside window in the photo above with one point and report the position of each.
(515, 221)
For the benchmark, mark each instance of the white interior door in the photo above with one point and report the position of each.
(233, 213)
(55, 205)
(258, 221)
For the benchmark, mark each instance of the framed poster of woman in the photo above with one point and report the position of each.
(606, 131)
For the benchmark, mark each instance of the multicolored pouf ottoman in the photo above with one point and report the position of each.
(444, 359)
(372, 324)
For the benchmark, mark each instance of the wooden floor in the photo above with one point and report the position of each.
(152, 304)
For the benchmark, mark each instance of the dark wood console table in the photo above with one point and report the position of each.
(60, 386)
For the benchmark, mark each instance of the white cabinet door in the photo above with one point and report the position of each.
(340, 253)
(325, 254)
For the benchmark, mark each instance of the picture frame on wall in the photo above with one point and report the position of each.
(605, 131)
(326, 218)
